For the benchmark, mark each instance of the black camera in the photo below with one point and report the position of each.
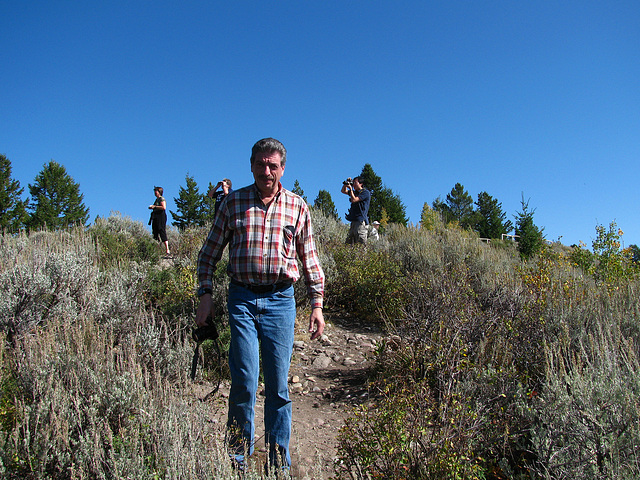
(199, 335)
(206, 332)
(348, 181)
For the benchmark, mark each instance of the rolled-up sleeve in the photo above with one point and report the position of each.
(308, 255)
(212, 249)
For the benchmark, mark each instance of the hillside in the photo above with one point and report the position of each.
(445, 357)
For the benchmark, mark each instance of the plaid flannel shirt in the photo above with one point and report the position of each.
(264, 241)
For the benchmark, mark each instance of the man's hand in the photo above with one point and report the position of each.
(212, 192)
(316, 323)
(204, 310)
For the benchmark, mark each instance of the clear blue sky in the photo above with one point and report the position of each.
(508, 97)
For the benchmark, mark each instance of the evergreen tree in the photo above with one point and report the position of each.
(324, 203)
(460, 205)
(297, 189)
(382, 198)
(391, 204)
(13, 210)
(371, 180)
(490, 219)
(208, 206)
(443, 210)
(189, 206)
(531, 239)
(56, 199)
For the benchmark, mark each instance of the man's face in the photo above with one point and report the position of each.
(267, 171)
(356, 184)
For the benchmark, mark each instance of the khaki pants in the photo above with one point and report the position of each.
(357, 233)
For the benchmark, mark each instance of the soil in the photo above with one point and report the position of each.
(327, 378)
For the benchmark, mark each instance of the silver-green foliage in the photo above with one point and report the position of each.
(90, 408)
(43, 276)
(523, 369)
(585, 423)
(55, 275)
(93, 382)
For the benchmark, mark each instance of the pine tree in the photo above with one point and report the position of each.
(208, 206)
(382, 198)
(189, 206)
(442, 209)
(56, 201)
(13, 210)
(531, 239)
(460, 205)
(490, 219)
(371, 180)
(297, 189)
(392, 205)
(324, 203)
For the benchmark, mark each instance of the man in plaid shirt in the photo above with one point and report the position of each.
(267, 228)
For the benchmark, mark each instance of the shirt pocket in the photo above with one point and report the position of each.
(239, 236)
(288, 242)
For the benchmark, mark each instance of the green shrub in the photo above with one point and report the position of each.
(401, 437)
(87, 407)
(45, 275)
(585, 422)
(327, 230)
(120, 239)
(493, 367)
(172, 290)
(609, 262)
(186, 244)
(368, 283)
(485, 348)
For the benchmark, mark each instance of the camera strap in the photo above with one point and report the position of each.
(194, 361)
(196, 358)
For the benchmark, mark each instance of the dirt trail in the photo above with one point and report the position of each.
(327, 378)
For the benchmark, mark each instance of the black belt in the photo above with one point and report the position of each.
(272, 287)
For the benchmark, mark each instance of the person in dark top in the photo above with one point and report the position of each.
(358, 214)
(220, 196)
(159, 218)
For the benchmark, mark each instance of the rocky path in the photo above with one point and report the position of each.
(327, 378)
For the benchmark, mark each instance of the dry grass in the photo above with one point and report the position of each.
(498, 368)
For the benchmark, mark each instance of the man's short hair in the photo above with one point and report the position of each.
(159, 189)
(360, 179)
(269, 145)
(227, 181)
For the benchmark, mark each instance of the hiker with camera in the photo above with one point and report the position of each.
(358, 213)
(225, 185)
(267, 229)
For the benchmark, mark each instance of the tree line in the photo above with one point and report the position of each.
(195, 209)
(488, 220)
(56, 202)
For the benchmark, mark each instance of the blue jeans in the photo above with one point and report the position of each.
(260, 323)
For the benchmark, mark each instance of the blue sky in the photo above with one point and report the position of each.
(514, 98)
